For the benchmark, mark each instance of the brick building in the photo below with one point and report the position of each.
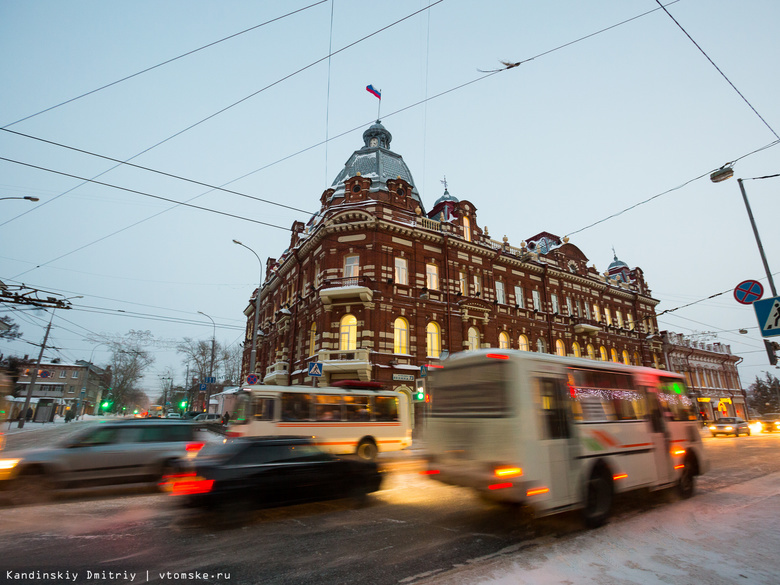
(374, 287)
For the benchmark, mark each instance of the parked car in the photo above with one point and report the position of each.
(124, 452)
(729, 426)
(173, 415)
(260, 472)
(770, 422)
(208, 417)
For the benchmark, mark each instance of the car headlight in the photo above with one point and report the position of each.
(729, 429)
(712, 428)
(7, 464)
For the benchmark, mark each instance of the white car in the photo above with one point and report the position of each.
(208, 417)
(173, 415)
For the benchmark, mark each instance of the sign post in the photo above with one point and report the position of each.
(748, 291)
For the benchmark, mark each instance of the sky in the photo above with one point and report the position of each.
(613, 105)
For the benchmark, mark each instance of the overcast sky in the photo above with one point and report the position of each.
(581, 131)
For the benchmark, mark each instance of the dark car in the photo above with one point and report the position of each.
(770, 422)
(124, 452)
(261, 472)
(729, 426)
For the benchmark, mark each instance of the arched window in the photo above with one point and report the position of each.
(560, 348)
(637, 359)
(614, 354)
(400, 336)
(312, 339)
(626, 358)
(541, 345)
(524, 345)
(503, 340)
(473, 339)
(603, 356)
(591, 352)
(348, 333)
(576, 350)
(433, 337)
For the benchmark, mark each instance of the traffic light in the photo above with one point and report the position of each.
(419, 392)
(183, 405)
(771, 348)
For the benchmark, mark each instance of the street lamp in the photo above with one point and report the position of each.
(726, 172)
(34, 378)
(27, 198)
(253, 353)
(211, 366)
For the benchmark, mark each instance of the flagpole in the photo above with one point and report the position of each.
(379, 107)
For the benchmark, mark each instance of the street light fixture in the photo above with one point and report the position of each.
(26, 198)
(253, 352)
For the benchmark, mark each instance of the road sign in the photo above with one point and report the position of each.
(211, 380)
(251, 379)
(768, 315)
(423, 370)
(748, 291)
(204, 387)
(315, 369)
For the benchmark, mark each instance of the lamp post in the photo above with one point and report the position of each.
(253, 352)
(211, 365)
(163, 379)
(726, 172)
(34, 378)
(27, 198)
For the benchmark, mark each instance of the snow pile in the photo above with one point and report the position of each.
(727, 536)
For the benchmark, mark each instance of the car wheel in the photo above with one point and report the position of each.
(748, 432)
(367, 450)
(31, 487)
(598, 498)
(687, 484)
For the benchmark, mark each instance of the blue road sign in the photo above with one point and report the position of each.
(204, 387)
(768, 315)
(748, 292)
(211, 380)
(251, 379)
(315, 369)
(423, 371)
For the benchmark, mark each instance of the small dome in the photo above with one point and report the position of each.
(617, 264)
(445, 197)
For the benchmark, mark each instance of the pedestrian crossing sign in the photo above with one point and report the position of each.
(768, 315)
(315, 369)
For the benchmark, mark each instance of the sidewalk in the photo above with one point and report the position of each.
(11, 427)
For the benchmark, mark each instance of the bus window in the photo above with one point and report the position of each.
(674, 397)
(554, 408)
(386, 408)
(296, 406)
(264, 409)
(327, 407)
(356, 408)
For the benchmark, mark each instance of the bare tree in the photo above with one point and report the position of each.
(9, 329)
(230, 363)
(129, 361)
(197, 354)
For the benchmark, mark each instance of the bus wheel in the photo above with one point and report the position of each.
(687, 484)
(367, 450)
(598, 498)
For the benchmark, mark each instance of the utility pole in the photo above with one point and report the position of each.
(34, 378)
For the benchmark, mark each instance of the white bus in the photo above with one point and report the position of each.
(347, 418)
(558, 433)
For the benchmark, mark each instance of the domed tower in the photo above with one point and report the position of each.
(618, 268)
(444, 208)
(377, 162)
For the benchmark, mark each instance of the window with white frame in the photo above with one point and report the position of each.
(466, 228)
(432, 276)
(473, 339)
(462, 283)
(569, 308)
(503, 340)
(352, 266)
(500, 298)
(75, 374)
(554, 303)
(401, 271)
(477, 285)
(537, 299)
(519, 299)
(63, 374)
(348, 333)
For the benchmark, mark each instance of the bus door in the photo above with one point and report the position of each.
(558, 447)
(661, 438)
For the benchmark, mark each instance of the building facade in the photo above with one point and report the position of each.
(711, 373)
(373, 287)
(60, 387)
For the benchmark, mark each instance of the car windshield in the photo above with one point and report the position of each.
(726, 420)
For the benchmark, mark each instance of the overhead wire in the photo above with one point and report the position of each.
(78, 97)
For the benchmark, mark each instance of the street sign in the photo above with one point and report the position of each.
(204, 387)
(251, 379)
(211, 380)
(315, 369)
(748, 291)
(423, 371)
(403, 377)
(768, 315)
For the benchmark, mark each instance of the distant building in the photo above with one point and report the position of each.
(711, 372)
(61, 386)
(373, 287)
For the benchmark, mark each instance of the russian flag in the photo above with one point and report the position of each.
(370, 89)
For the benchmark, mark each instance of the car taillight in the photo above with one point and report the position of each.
(194, 448)
(188, 484)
